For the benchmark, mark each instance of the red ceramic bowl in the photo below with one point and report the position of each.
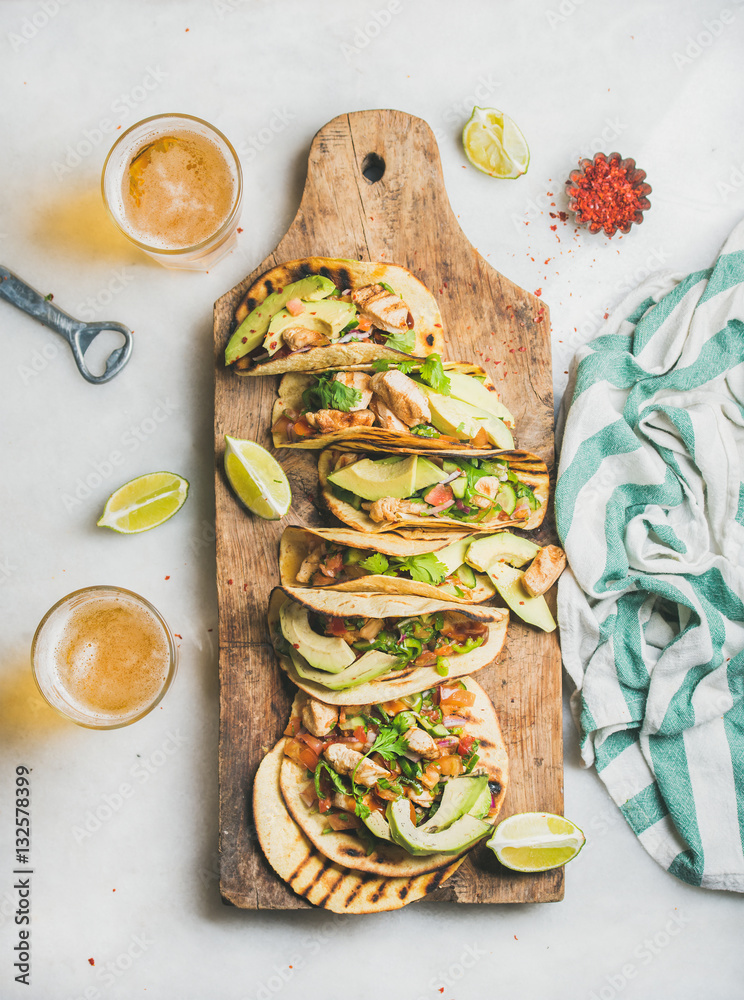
(607, 194)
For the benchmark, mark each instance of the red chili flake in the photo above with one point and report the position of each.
(91, 961)
(177, 635)
(245, 340)
(563, 216)
(608, 193)
(296, 645)
(511, 350)
(230, 582)
(240, 229)
(538, 292)
(522, 348)
(208, 630)
(606, 315)
(167, 578)
(188, 29)
(245, 586)
(553, 228)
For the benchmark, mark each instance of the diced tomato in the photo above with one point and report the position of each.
(413, 812)
(465, 745)
(332, 564)
(335, 626)
(426, 658)
(308, 795)
(365, 323)
(281, 425)
(295, 307)
(479, 439)
(301, 754)
(293, 726)
(344, 821)
(458, 699)
(375, 804)
(451, 765)
(313, 742)
(439, 494)
(359, 734)
(302, 428)
(395, 706)
(430, 777)
(325, 804)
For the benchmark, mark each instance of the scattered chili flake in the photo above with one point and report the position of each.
(563, 216)
(240, 229)
(177, 635)
(91, 961)
(538, 292)
(554, 228)
(230, 582)
(245, 586)
(522, 348)
(167, 578)
(608, 193)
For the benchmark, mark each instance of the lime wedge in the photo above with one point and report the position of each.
(257, 478)
(144, 503)
(495, 145)
(536, 842)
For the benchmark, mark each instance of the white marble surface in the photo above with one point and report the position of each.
(139, 894)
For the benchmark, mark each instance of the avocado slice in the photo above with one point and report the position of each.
(470, 390)
(374, 663)
(377, 824)
(375, 480)
(328, 317)
(252, 330)
(482, 806)
(324, 652)
(464, 832)
(463, 420)
(502, 547)
(459, 797)
(453, 555)
(427, 474)
(508, 582)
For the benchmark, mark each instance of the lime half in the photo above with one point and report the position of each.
(257, 478)
(536, 842)
(144, 503)
(495, 145)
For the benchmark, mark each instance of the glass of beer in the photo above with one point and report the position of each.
(103, 657)
(173, 186)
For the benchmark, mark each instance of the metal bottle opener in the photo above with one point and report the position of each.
(78, 335)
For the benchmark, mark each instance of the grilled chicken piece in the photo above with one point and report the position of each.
(326, 421)
(343, 459)
(387, 312)
(546, 567)
(344, 760)
(390, 509)
(386, 417)
(309, 564)
(370, 628)
(403, 396)
(420, 742)
(359, 381)
(489, 486)
(422, 798)
(317, 718)
(299, 336)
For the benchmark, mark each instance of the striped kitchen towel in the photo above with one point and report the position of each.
(650, 509)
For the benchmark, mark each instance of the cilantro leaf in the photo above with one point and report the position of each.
(362, 810)
(402, 341)
(425, 568)
(327, 394)
(389, 744)
(376, 563)
(406, 367)
(425, 431)
(432, 372)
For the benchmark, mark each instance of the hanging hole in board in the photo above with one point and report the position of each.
(373, 167)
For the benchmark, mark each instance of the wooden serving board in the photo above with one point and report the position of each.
(403, 218)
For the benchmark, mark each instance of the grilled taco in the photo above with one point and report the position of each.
(346, 648)
(309, 873)
(324, 312)
(375, 494)
(398, 788)
(341, 559)
(393, 406)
